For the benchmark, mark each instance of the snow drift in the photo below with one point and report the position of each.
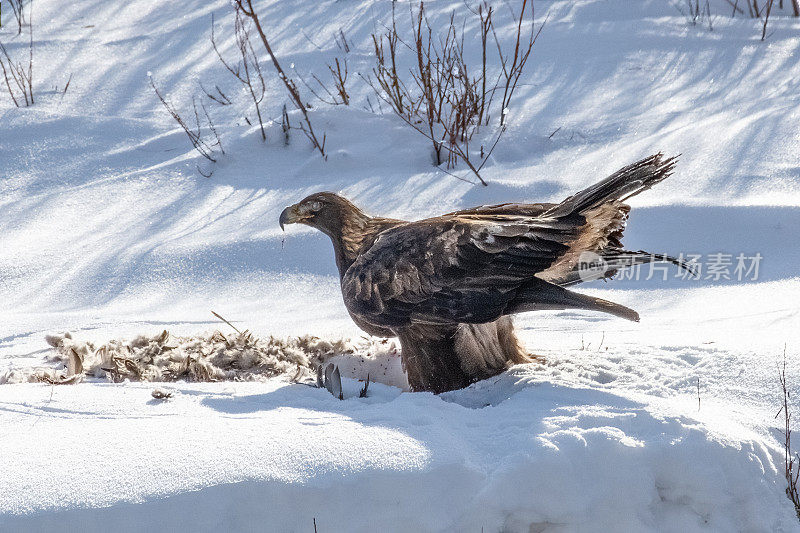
(519, 454)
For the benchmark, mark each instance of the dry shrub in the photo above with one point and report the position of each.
(337, 95)
(245, 8)
(697, 11)
(445, 96)
(203, 135)
(18, 73)
(791, 466)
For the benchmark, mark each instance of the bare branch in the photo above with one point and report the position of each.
(18, 76)
(791, 467)
(768, 9)
(246, 8)
(247, 70)
(18, 10)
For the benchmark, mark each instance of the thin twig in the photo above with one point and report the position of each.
(226, 321)
(248, 71)
(768, 8)
(791, 469)
(195, 137)
(246, 8)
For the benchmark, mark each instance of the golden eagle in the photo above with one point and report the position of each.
(445, 286)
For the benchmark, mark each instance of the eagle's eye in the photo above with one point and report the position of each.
(310, 207)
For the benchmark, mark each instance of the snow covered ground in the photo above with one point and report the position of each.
(107, 230)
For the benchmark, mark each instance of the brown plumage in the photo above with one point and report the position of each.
(445, 286)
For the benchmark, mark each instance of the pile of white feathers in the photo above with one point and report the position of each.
(239, 356)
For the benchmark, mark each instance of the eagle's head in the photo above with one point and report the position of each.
(326, 211)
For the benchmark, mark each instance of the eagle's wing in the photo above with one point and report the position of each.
(601, 213)
(600, 231)
(477, 265)
(513, 209)
(464, 268)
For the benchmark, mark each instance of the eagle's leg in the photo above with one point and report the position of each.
(429, 358)
(448, 357)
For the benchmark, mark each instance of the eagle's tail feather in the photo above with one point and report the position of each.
(538, 295)
(621, 185)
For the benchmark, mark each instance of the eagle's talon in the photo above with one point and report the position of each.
(331, 380)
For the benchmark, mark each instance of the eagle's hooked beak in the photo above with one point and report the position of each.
(290, 215)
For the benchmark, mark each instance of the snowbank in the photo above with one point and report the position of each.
(518, 454)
